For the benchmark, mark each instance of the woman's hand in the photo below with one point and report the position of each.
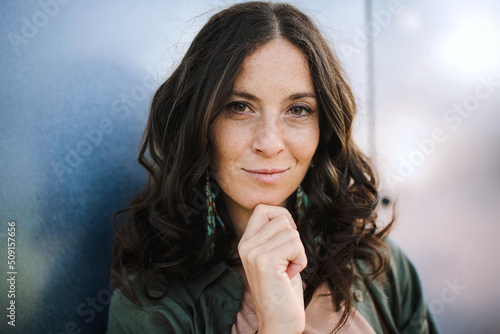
(273, 257)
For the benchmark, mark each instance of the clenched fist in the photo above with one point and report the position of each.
(273, 256)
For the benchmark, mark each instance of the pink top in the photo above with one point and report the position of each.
(321, 316)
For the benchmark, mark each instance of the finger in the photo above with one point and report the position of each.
(276, 211)
(257, 248)
(261, 215)
(263, 236)
(278, 253)
(268, 231)
(295, 268)
(293, 252)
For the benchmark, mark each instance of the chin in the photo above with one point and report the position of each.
(268, 200)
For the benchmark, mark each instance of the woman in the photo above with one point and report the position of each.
(259, 213)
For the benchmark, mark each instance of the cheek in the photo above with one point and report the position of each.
(227, 146)
(303, 144)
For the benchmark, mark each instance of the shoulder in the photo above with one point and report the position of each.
(399, 280)
(402, 271)
(208, 303)
(403, 280)
(400, 297)
(172, 313)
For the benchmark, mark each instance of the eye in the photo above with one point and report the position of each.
(299, 111)
(238, 107)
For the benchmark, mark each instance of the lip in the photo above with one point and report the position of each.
(266, 175)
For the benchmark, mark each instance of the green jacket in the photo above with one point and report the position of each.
(210, 302)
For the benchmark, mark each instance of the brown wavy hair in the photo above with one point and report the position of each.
(164, 233)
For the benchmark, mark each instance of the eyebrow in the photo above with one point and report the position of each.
(296, 96)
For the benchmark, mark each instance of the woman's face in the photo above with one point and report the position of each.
(264, 140)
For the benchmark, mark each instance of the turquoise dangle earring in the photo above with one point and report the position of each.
(301, 205)
(212, 216)
(302, 202)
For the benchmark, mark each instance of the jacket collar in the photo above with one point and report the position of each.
(219, 270)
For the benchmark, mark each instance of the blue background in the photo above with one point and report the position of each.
(76, 81)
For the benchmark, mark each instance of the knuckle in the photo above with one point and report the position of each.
(260, 207)
(294, 235)
(252, 255)
(295, 240)
(283, 221)
(262, 261)
(285, 211)
(243, 249)
(303, 265)
(301, 245)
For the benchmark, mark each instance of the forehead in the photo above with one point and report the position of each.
(276, 64)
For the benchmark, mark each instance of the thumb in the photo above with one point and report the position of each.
(293, 269)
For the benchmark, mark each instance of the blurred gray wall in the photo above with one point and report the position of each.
(76, 80)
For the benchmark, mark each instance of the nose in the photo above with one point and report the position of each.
(268, 138)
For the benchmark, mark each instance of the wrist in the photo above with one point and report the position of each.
(274, 328)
